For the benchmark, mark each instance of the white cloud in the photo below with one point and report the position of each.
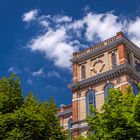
(60, 18)
(53, 74)
(44, 23)
(38, 73)
(51, 87)
(63, 35)
(29, 16)
(13, 70)
(134, 31)
(102, 26)
(54, 45)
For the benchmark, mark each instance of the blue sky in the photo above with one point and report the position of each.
(38, 37)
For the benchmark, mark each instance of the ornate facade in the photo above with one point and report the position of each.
(115, 63)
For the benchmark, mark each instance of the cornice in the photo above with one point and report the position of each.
(118, 70)
(108, 47)
(64, 113)
(132, 47)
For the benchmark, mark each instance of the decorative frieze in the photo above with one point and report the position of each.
(123, 68)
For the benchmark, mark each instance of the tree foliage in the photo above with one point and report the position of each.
(26, 118)
(10, 94)
(119, 118)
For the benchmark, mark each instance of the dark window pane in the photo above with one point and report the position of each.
(135, 89)
(128, 58)
(137, 66)
(90, 99)
(83, 72)
(106, 89)
(113, 60)
(70, 123)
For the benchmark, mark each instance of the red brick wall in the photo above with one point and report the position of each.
(75, 133)
(75, 114)
(75, 111)
(122, 53)
(74, 72)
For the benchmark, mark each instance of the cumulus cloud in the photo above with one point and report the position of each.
(44, 23)
(102, 26)
(134, 31)
(63, 35)
(13, 70)
(38, 73)
(55, 46)
(29, 16)
(53, 74)
(60, 19)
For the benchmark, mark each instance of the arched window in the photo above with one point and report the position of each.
(90, 100)
(135, 88)
(70, 122)
(106, 89)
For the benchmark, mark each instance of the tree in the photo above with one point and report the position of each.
(10, 94)
(29, 120)
(119, 118)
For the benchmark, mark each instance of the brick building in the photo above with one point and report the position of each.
(115, 63)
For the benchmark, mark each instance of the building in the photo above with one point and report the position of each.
(115, 63)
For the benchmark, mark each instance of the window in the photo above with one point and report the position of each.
(106, 90)
(70, 122)
(135, 88)
(137, 66)
(128, 59)
(83, 72)
(114, 60)
(91, 100)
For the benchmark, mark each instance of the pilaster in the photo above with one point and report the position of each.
(122, 53)
(75, 114)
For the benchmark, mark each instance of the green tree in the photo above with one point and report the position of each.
(10, 94)
(119, 118)
(30, 119)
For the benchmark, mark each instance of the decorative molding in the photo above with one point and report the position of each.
(65, 113)
(120, 69)
(121, 84)
(100, 92)
(112, 45)
(94, 64)
(78, 99)
(75, 126)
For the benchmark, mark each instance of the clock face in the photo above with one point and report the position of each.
(98, 66)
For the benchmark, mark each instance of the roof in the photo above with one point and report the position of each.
(64, 110)
(105, 46)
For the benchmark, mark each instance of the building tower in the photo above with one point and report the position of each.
(115, 63)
